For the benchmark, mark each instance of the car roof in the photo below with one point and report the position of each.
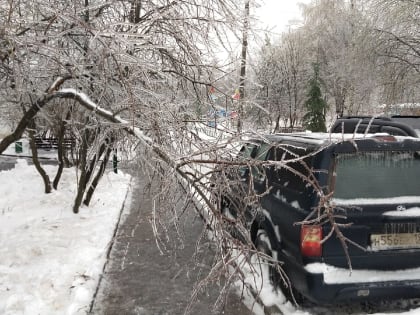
(319, 139)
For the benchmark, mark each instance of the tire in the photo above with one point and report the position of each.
(278, 281)
(228, 208)
(263, 245)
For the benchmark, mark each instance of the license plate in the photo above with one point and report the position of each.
(395, 241)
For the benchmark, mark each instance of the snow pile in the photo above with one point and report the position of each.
(256, 281)
(50, 258)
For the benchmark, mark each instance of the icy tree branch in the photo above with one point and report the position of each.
(32, 112)
(69, 93)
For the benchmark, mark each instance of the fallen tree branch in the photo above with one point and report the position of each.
(68, 93)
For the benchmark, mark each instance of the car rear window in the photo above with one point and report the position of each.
(377, 175)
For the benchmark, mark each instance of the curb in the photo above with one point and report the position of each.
(27, 156)
(111, 245)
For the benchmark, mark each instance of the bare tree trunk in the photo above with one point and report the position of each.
(289, 92)
(90, 170)
(98, 176)
(339, 101)
(277, 126)
(81, 187)
(135, 11)
(60, 151)
(41, 171)
(243, 66)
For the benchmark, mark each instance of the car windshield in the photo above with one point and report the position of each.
(377, 175)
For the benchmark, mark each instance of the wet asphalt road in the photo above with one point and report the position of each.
(139, 279)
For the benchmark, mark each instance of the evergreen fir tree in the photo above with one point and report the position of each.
(315, 105)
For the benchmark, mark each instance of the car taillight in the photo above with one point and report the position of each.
(311, 240)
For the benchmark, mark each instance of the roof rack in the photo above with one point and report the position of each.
(370, 124)
(411, 120)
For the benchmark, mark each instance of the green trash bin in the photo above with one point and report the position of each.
(18, 147)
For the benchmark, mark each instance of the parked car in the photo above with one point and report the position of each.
(371, 182)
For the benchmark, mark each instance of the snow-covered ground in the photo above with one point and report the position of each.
(50, 258)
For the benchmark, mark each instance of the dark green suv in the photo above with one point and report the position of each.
(326, 202)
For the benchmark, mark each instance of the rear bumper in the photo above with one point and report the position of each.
(320, 287)
(320, 292)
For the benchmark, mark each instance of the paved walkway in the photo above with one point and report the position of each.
(140, 280)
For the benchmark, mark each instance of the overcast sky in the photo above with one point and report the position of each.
(277, 14)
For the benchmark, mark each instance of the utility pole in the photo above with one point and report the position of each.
(243, 65)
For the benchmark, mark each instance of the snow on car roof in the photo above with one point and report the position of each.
(320, 138)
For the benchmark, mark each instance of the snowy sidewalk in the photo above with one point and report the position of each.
(140, 280)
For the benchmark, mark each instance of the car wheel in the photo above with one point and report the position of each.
(263, 245)
(232, 224)
(227, 208)
(277, 280)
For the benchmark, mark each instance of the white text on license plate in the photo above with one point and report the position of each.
(394, 241)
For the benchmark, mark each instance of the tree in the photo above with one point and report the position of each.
(145, 61)
(133, 66)
(316, 106)
(280, 73)
(270, 89)
(337, 35)
(395, 34)
(293, 69)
